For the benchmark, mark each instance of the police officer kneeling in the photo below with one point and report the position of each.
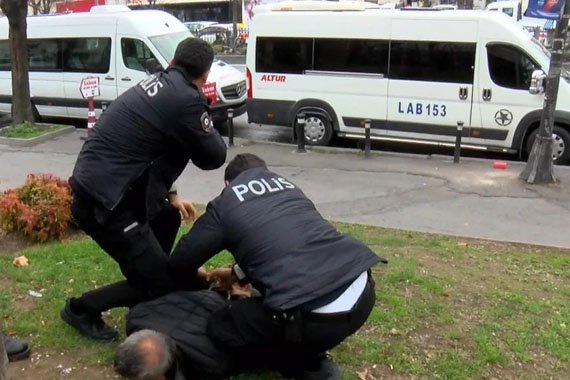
(121, 180)
(316, 283)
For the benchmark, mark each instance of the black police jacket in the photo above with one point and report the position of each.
(285, 247)
(163, 116)
(184, 316)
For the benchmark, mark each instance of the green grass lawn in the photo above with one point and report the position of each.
(27, 130)
(447, 308)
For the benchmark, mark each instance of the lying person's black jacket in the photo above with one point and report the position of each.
(183, 316)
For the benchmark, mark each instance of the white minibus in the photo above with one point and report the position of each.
(113, 43)
(414, 73)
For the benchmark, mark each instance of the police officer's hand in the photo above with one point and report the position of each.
(185, 207)
(203, 273)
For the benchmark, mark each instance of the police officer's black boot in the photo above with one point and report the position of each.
(325, 369)
(89, 325)
(15, 348)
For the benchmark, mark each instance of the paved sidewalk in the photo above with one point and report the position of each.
(392, 190)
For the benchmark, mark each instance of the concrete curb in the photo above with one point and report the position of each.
(18, 142)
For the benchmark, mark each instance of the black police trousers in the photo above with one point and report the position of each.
(140, 247)
(288, 342)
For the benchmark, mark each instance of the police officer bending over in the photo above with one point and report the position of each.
(315, 282)
(123, 174)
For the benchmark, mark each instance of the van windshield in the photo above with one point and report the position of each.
(166, 44)
(545, 54)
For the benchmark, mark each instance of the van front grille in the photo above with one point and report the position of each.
(234, 91)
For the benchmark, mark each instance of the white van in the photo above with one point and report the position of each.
(510, 8)
(414, 74)
(109, 42)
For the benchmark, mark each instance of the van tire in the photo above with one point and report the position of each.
(560, 148)
(318, 130)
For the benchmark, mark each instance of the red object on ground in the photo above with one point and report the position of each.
(500, 165)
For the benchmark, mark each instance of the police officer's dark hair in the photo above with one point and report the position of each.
(241, 163)
(194, 55)
(130, 358)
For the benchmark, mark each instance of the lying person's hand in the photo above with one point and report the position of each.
(240, 291)
(185, 207)
(222, 277)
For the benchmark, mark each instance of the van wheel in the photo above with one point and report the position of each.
(560, 146)
(318, 130)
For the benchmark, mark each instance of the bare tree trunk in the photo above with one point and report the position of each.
(17, 11)
(234, 22)
(3, 359)
(46, 6)
(540, 167)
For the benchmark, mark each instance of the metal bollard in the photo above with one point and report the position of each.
(231, 127)
(457, 151)
(301, 133)
(104, 106)
(367, 138)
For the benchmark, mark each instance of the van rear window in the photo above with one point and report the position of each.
(432, 61)
(296, 55)
(283, 55)
(86, 55)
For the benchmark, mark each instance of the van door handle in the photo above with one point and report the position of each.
(108, 77)
(463, 93)
(126, 79)
(487, 94)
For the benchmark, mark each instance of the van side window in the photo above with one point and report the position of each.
(351, 55)
(87, 55)
(44, 55)
(449, 62)
(135, 53)
(283, 55)
(509, 66)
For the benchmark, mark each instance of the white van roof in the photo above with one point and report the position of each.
(316, 5)
(100, 21)
(411, 24)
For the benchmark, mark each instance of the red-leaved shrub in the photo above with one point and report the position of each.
(39, 209)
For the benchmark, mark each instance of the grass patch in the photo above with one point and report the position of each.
(446, 307)
(27, 130)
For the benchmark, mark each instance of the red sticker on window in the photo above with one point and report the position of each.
(209, 90)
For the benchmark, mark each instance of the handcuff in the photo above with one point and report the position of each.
(240, 275)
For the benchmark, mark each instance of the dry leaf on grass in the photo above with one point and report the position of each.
(364, 374)
(21, 261)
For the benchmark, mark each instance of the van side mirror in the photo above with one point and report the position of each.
(152, 66)
(537, 82)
